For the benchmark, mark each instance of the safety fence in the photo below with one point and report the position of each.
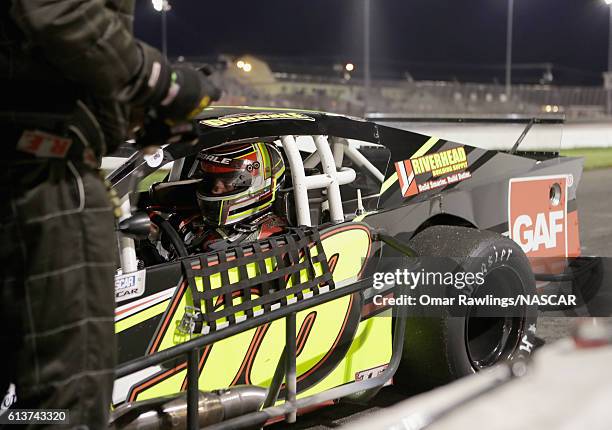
(414, 97)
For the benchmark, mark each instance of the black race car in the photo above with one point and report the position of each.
(324, 310)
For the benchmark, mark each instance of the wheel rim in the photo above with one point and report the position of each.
(491, 339)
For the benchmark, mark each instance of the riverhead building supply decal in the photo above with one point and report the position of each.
(431, 171)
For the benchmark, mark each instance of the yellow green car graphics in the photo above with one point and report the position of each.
(335, 343)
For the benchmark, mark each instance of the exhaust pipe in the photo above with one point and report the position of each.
(171, 412)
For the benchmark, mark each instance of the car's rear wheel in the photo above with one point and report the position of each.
(440, 347)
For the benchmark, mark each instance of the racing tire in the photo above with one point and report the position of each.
(439, 349)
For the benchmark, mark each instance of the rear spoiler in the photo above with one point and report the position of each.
(382, 118)
(498, 132)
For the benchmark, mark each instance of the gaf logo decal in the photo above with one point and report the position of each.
(543, 233)
(129, 286)
(537, 215)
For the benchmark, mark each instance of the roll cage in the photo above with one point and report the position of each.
(314, 162)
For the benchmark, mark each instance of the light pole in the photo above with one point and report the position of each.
(608, 74)
(366, 55)
(509, 48)
(163, 6)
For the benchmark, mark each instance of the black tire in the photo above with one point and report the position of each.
(439, 349)
(588, 283)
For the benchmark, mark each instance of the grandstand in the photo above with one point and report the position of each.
(323, 88)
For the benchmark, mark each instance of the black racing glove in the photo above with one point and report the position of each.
(157, 133)
(173, 93)
(189, 92)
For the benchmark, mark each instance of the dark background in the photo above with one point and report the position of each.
(430, 39)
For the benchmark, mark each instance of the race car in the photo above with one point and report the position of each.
(265, 328)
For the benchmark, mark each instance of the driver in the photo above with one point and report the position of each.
(235, 194)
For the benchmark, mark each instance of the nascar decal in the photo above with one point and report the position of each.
(229, 120)
(431, 171)
(129, 286)
(537, 215)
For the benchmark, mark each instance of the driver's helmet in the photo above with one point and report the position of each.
(238, 182)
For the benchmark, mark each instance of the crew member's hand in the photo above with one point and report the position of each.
(172, 93)
(168, 98)
(189, 91)
(156, 132)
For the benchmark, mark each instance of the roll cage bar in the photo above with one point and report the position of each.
(329, 153)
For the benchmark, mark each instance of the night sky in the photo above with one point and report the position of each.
(428, 38)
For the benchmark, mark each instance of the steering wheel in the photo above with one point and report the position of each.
(171, 233)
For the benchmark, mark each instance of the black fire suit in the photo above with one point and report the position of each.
(72, 69)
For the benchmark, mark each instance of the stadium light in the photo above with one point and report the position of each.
(366, 55)
(607, 78)
(509, 48)
(163, 6)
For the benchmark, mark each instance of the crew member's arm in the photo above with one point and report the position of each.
(93, 45)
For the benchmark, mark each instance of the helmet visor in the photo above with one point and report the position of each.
(220, 185)
(224, 177)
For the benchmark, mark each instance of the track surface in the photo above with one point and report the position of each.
(595, 214)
